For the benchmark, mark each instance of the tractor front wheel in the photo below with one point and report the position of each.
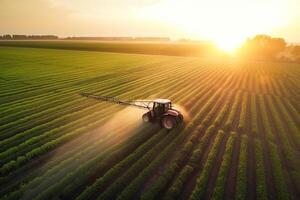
(168, 122)
(180, 118)
(146, 117)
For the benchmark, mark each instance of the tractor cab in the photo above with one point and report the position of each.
(161, 106)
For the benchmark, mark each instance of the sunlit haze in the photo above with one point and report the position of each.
(226, 23)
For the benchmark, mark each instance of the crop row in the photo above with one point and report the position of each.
(243, 114)
(241, 181)
(219, 188)
(168, 174)
(288, 149)
(154, 151)
(107, 82)
(65, 97)
(138, 172)
(55, 132)
(35, 131)
(211, 116)
(37, 99)
(281, 187)
(78, 71)
(233, 111)
(11, 165)
(180, 157)
(192, 163)
(224, 109)
(292, 110)
(202, 180)
(290, 154)
(134, 186)
(118, 169)
(264, 117)
(174, 165)
(253, 114)
(87, 149)
(261, 187)
(293, 129)
(64, 116)
(274, 156)
(100, 161)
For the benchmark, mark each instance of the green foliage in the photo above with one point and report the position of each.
(177, 161)
(263, 47)
(233, 111)
(241, 182)
(254, 125)
(41, 110)
(281, 187)
(199, 189)
(221, 114)
(218, 192)
(265, 119)
(261, 187)
(119, 168)
(139, 166)
(243, 114)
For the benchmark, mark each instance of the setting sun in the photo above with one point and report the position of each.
(228, 45)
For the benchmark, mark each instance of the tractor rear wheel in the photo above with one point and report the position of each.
(168, 122)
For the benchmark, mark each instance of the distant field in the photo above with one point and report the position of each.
(240, 140)
(155, 48)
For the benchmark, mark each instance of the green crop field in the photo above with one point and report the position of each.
(240, 138)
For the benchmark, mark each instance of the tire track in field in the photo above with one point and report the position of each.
(232, 175)
(215, 108)
(217, 162)
(152, 179)
(214, 173)
(190, 184)
(230, 187)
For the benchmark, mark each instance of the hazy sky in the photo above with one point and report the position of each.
(216, 20)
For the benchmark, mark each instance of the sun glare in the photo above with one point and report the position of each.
(226, 23)
(227, 43)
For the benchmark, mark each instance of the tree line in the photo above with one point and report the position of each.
(28, 37)
(54, 37)
(264, 47)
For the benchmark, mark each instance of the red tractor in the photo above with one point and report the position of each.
(163, 113)
(160, 110)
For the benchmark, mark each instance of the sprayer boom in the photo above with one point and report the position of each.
(138, 103)
(160, 110)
